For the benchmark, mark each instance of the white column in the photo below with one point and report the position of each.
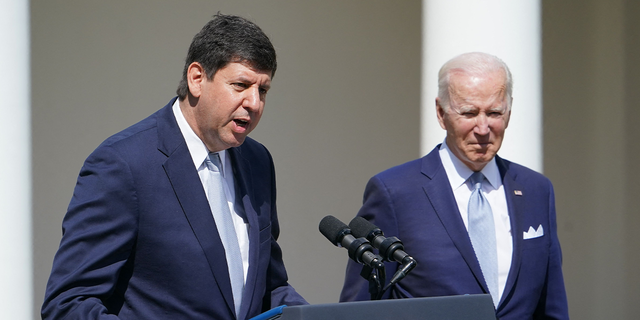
(16, 301)
(507, 29)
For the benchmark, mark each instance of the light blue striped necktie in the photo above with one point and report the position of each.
(483, 236)
(224, 224)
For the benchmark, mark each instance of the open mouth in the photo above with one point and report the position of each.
(241, 123)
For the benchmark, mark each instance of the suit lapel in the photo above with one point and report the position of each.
(244, 206)
(438, 190)
(515, 205)
(188, 188)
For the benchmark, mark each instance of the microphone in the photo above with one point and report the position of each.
(391, 249)
(360, 250)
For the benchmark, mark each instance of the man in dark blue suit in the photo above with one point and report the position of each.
(141, 239)
(430, 204)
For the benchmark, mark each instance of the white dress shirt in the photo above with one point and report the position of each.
(199, 153)
(458, 174)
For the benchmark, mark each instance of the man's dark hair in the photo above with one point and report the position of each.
(226, 39)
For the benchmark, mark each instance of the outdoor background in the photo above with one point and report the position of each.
(345, 105)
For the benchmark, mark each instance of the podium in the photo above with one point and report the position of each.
(462, 307)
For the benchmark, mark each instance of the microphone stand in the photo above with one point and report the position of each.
(376, 278)
(391, 250)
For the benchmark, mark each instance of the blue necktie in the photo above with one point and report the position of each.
(224, 224)
(483, 235)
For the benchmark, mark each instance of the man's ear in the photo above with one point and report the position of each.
(440, 112)
(195, 77)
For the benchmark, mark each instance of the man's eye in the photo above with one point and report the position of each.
(240, 85)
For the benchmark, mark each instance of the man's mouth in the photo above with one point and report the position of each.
(241, 123)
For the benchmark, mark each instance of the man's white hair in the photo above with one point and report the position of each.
(473, 63)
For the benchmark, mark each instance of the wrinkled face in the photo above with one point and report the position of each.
(476, 118)
(229, 106)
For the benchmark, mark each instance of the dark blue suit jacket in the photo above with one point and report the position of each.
(415, 203)
(139, 240)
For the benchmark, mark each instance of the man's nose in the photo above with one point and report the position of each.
(252, 99)
(482, 124)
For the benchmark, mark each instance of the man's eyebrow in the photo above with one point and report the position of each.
(243, 79)
(246, 79)
(466, 108)
(501, 108)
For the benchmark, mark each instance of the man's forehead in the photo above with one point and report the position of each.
(245, 72)
(459, 77)
(474, 84)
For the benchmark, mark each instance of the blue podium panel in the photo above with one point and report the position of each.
(463, 307)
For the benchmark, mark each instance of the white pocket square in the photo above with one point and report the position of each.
(533, 233)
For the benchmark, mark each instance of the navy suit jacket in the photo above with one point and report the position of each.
(415, 203)
(139, 240)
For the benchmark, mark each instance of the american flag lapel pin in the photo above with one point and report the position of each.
(517, 192)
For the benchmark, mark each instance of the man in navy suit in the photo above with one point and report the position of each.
(426, 204)
(140, 240)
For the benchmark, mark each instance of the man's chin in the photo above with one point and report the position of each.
(237, 141)
(483, 156)
(483, 159)
(229, 143)
(477, 160)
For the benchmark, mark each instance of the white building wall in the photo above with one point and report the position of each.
(15, 163)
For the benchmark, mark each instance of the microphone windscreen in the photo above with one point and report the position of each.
(361, 227)
(333, 229)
